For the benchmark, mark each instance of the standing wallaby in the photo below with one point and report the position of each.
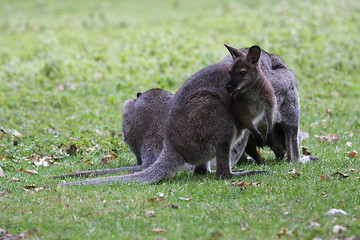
(285, 122)
(252, 93)
(200, 125)
(143, 129)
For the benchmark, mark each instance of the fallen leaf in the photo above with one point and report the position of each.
(3, 130)
(335, 211)
(330, 137)
(341, 175)
(155, 199)
(254, 184)
(239, 184)
(105, 159)
(42, 161)
(150, 214)
(5, 192)
(2, 174)
(294, 172)
(30, 171)
(14, 179)
(284, 231)
(352, 154)
(38, 189)
(71, 150)
(29, 186)
(329, 111)
(352, 170)
(305, 151)
(159, 230)
(244, 226)
(349, 144)
(314, 224)
(185, 199)
(16, 134)
(338, 229)
(323, 177)
(171, 205)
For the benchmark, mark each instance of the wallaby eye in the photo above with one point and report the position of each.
(242, 73)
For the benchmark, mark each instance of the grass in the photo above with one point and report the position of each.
(66, 68)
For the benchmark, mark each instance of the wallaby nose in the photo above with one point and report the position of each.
(228, 88)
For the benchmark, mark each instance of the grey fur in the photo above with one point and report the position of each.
(252, 93)
(200, 126)
(285, 140)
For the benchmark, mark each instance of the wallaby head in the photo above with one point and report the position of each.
(244, 72)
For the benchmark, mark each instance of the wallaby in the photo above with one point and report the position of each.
(200, 125)
(284, 136)
(252, 93)
(143, 129)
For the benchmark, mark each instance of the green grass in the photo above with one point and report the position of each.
(66, 67)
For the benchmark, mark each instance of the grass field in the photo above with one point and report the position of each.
(66, 67)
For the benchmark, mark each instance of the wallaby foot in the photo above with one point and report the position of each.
(202, 169)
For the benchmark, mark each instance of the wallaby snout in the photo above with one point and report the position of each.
(229, 87)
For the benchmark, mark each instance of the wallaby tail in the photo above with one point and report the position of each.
(101, 172)
(167, 164)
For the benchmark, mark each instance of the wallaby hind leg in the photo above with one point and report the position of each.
(292, 144)
(223, 169)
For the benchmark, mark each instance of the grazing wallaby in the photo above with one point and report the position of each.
(200, 125)
(252, 93)
(143, 128)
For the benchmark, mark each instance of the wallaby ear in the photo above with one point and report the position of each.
(234, 52)
(138, 94)
(254, 54)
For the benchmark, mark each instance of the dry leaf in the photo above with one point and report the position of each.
(155, 199)
(330, 137)
(314, 224)
(352, 154)
(323, 177)
(14, 179)
(329, 111)
(16, 134)
(105, 159)
(239, 184)
(335, 211)
(30, 171)
(244, 226)
(42, 161)
(338, 229)
(38, 189)
(254, 184)
(5, 192)
(341, 175)
(284, 231)
(294, 172)
(185, 199)
(159, 230)
(71, 150)
(349, 144)
(352, 170)
(150, 214)
(2, 174)
(305, 151)
(171, 205)
(29, 186)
